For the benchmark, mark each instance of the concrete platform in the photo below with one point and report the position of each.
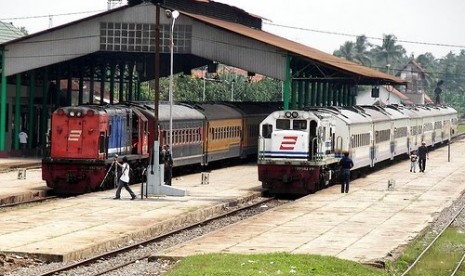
(12, 188)
(363, 225)
(72, 228)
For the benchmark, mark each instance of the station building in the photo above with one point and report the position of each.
(108, 55)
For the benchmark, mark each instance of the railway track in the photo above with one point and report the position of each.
(429, 246)
(102, 264)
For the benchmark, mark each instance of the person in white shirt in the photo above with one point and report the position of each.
(22, 141)
(124, 179)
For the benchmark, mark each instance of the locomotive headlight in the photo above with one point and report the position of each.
(71, 113)
(295, 114)
(288, 114)
(78, 114)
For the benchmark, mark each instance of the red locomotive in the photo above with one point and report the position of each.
(85, 139)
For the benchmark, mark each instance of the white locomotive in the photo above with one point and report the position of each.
(299, 150)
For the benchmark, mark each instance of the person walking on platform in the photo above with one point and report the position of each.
(22, 136)
(422, 156)
(124, 179)
(413, 161)
(346, 164)
(167, 159)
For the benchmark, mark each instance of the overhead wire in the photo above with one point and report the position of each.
(369, 37)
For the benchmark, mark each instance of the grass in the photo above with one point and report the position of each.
(269, 264)
(461, 128)
(441, 259)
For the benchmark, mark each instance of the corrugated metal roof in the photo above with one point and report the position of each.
(9, 32)
(298, 49)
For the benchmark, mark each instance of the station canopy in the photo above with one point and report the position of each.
(127, 35)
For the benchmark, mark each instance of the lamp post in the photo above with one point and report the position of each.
(174, 15)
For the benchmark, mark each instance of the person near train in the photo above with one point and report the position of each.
(22, 137)
(413, 161)
(422, 156)
(124, 179)
(346, 164)
(167, 159)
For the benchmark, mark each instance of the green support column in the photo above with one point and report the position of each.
(2, 101)
(313, 95)
(325, 94)
(318, 94)
(91, 83)
(301, 100)
(340, 98)
(102, 84)
(330, 94)
(346, 95)
(31, 115)
(45, 105)
(139, 88)
(81, 86)
(351, 95)
(294, 87)
(287, 84)
(17, 121)
(131, 82)
(335, 94)
(58, 88)
(112, 82)
(69, 87)
(306, 93)
(121, 68)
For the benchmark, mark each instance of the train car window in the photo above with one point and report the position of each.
(109, 130)
(127, 119)
(283, 124)
(299, 124)
(383, 135)
(267, 130)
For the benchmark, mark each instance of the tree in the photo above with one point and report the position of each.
(389, 52)
(361, 50)
(346, 51)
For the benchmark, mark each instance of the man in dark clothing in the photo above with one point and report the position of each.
(437, 92)
(167, 160)
(346, 164)
(422, 153)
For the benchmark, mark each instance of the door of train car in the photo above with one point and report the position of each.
(140, 133)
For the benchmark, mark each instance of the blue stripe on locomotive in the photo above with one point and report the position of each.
(118, 138)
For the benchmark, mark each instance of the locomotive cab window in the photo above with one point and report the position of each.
(299, 124)
(267, 130)
(283, 124)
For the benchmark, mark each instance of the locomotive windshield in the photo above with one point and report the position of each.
(285, 124)
(299, 125)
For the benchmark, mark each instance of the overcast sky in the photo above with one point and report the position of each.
(324, 25)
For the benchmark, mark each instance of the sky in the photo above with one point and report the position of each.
(420, 25)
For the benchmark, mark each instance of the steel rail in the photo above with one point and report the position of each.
(149, 241)
(412, 265)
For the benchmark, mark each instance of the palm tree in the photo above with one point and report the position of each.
(389, 52)
(346, 51)
(361, 53)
